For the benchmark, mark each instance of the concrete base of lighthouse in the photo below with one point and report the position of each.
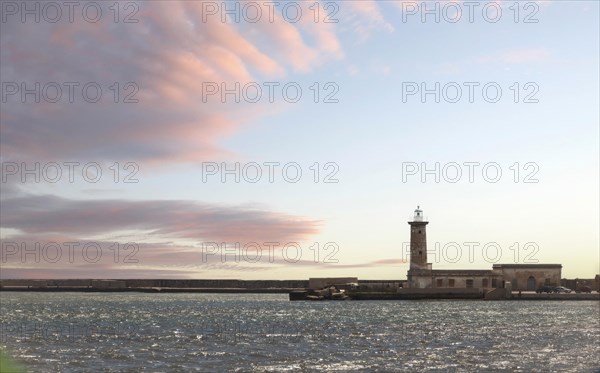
(420, 278)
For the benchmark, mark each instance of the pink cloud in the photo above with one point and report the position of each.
(170, 236)
(168, 54)
(165, 219)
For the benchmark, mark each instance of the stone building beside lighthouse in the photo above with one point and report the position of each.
(526, 277)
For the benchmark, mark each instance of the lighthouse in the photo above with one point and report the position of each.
(421, 275)
(418, 241)
(418, 249)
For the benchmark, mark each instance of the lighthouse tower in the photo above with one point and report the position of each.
(418, 248)
(418, 241)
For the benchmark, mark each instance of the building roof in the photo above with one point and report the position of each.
(462, 272)
(523, 266)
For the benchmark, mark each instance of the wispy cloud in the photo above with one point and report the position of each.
(165, 219)
(169, 237)
(168, 55)
(368, 18)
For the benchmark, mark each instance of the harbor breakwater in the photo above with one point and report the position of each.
(155, 285)
(297, 289)
(442, 293)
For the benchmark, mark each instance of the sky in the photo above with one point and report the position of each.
(288, 140)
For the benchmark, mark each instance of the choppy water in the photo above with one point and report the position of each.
(78, 332)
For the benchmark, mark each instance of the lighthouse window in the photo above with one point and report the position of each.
(420, 252)
(419, 232)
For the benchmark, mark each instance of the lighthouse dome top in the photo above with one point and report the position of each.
(418, 214)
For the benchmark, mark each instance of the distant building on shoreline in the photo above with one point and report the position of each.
(526, 277)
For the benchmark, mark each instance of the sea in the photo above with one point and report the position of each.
(149, 332)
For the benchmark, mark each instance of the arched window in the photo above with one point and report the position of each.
(531, 283)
